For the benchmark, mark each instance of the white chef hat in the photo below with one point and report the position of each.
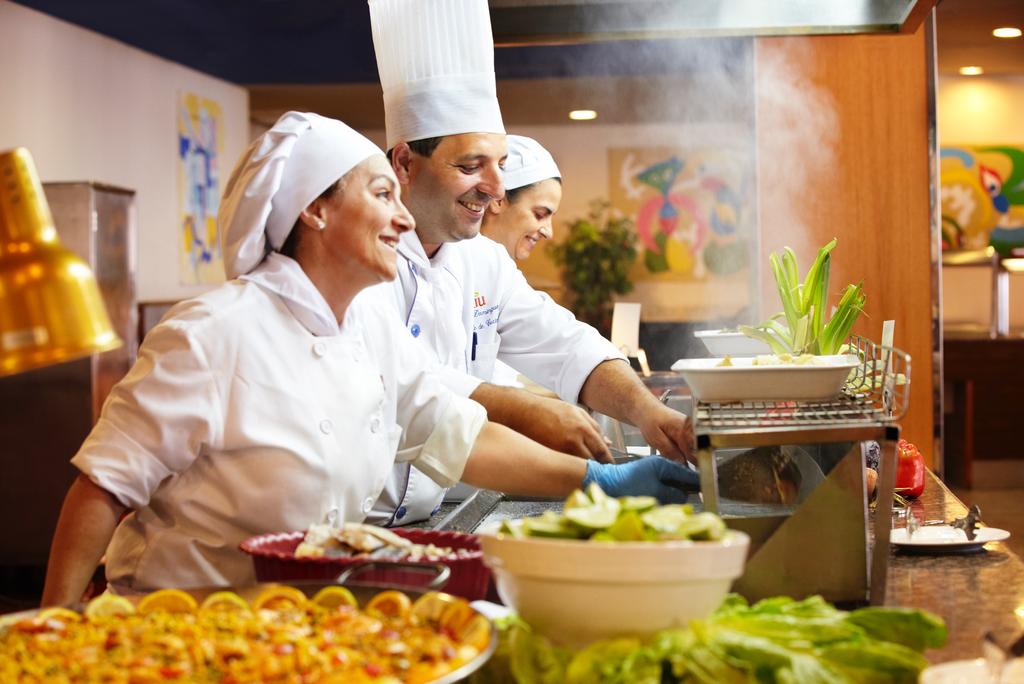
(278, 175)
(436, 64)
(527, 163)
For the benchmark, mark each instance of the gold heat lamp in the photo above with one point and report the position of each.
(50, 305)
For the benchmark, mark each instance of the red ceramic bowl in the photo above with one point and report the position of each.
(273, 556)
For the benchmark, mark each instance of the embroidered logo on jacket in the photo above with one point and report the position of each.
(483, 316)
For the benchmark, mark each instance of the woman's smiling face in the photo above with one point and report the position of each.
(365, 216)
(520, 224)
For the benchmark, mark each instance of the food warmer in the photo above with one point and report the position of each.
(825, 541)
(820, 542)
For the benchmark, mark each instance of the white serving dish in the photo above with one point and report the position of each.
(973, 672)
(575, 592)
(743, 381)
(731, 343)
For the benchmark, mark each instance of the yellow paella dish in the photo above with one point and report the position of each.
(280, 637)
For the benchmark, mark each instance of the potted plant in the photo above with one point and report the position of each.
(595, 258)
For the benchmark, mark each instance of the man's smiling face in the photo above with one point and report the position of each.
(448, 191)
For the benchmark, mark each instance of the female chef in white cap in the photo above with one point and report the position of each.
(525, 215)
(280, 398)
(533, 191)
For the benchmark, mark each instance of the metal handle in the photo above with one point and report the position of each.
(440, 571)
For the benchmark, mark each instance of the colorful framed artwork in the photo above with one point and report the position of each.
(983, 197)
(694, 213)
(200, 144)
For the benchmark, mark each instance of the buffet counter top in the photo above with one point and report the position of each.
(974, 593)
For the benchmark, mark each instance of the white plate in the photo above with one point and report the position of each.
(972, 672)
(945, 538)
(731, 343)
(743, 381)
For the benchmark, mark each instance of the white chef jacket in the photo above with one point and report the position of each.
(470, 305)
(249, 411)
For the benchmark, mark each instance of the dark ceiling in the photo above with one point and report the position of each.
(325, 41)
(317, 55)
(328, 41)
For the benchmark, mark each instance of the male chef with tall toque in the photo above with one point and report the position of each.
(459, 293)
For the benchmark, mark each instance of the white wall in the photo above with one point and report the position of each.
(91, 108)
(977, 110)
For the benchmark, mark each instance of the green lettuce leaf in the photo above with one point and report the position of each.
(916, 629)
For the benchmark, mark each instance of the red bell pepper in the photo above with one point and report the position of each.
(909, 470)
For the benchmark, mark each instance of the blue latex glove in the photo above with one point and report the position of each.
(667, 481)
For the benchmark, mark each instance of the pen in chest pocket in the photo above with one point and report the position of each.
(472, 352)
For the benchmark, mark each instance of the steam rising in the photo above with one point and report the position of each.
(692, 94)
(797, 130)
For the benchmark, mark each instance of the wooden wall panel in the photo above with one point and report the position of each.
(872, 192)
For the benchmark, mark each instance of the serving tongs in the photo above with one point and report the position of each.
(969, 523)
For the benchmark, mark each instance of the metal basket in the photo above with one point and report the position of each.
(877, 391)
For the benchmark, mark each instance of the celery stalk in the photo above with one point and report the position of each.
(782, 331)
(809, 326)
(769, 337)
(819, 299)
(812, 276)
(785, 294)
(789, 265)
(801, 336)
(838, 328)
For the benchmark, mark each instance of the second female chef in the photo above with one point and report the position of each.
(533, 190)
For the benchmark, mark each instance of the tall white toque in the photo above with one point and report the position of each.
(436, 64)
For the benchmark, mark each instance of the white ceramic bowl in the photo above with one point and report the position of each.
(575, 592)
(743, 381)
(972, 672)
(731, 343)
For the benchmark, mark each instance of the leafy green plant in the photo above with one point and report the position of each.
(806, 329)
(595, 258)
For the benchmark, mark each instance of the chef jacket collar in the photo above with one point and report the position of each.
(410, 247)
(284, 277)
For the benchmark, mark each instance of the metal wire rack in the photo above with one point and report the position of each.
(877, 391)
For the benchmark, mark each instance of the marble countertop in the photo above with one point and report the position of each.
(974, 593)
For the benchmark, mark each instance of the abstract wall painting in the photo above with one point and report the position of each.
(200, 144)
(694, 211)
(983, 198)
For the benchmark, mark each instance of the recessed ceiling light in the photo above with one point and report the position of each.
(582, 114)
(1006, 32)
(971, 71)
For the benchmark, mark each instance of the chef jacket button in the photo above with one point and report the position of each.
(326, 426)
(367, 505)
(319, 349)
(415, 329)
(400, 513)
(375, 425)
